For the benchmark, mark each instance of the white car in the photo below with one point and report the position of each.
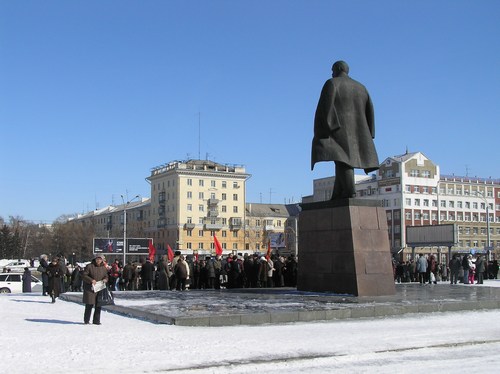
(17, 266)
(13, 283)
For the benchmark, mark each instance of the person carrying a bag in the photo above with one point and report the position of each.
(94, 272)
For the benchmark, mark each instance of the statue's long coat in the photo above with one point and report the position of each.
(344, 125)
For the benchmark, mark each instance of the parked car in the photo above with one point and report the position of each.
(13, 283)
(17, 266)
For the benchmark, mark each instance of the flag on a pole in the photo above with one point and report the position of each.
(218, 247)
(170, 253)
(152, 251)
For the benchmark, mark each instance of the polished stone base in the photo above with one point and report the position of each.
(344, 248)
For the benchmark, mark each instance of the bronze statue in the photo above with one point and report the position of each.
(344, 129)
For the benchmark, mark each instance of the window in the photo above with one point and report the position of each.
(235, 185)
(434, 216)
(188, 245)
(417, 202)
(235, 234)
(396, 214)
(189, 233)
(459, 204)
(235, 209)
(224, 221)
(451, 204)
(200, 233)
(425, 189)
(200, 245)
(200, 183)
(212, 183)
(408, 202)
(189, 182)
(434, 190)
(408, 215)
(425, 216)
(224, 233)
(201, 208)
(201, 195)
(443, 203)
(414, 173)
(224, 184)
(235, 197)
(426, 174)
(389, 173)
(224, 209)
(189, 207)
(467, 205)
(417, 215)
(189, 220)
(189, 195)
(408, 188)
(223, 196)
(474, 205)
(389, 216)
(426, 202)
(396, 229)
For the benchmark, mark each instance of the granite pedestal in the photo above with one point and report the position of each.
(344, 248)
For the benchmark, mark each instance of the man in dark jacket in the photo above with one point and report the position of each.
(454, 269)
(344, 128)
(147, 271)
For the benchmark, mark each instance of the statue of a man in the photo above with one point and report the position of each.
(344, 129)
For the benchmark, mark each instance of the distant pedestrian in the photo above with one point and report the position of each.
(181, 271)
(480, 268)
(454, 269)
(421, 268)
(43, 270)
(54, 272)
(147, 275)
(27, 280)
(466, 267)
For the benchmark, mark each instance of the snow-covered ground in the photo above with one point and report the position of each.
(37, 336)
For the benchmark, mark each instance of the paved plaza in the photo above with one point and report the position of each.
(282, 305)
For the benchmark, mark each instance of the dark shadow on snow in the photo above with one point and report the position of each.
(58, 321)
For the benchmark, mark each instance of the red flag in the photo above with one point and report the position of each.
(170, 253)
(152, 251)
(218, 247)
(269, 250)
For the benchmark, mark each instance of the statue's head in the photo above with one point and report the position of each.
(340, 67)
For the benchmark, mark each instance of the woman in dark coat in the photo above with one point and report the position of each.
(94, 272)
(43, 270)
(54, 273)
(27, 280)
(163, 274)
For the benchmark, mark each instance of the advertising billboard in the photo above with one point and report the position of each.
(108, 246)
(135, 246)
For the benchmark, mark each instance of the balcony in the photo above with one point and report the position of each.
(189, 226)
(213, 202)
(235, 223)
(212, 223)
(269, 228)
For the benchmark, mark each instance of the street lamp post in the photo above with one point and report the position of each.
(487, 223)
(125, 227)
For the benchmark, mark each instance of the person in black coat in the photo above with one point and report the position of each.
(55, 275)
(43, 270)
(27, 280)
(147, 275)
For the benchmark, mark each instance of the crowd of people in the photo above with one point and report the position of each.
(460, 269)
(179, 273)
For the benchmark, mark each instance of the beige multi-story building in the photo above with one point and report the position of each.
(191, 201)
(414, 193)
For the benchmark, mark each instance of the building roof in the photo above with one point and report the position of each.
(272, 210)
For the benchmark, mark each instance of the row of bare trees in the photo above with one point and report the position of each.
(21, 239)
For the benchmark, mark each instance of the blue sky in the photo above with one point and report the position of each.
(93, 94)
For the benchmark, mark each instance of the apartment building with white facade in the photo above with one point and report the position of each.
(414, 193)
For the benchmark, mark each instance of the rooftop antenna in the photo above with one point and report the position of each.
(466, 170)
(199, 135)
(406, 150)
(270, 192)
